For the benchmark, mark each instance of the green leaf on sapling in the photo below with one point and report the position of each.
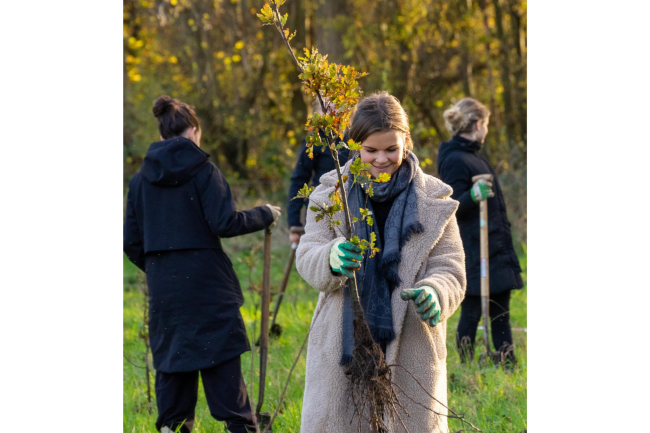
(370, 191)
(383, 177)
(354, 146)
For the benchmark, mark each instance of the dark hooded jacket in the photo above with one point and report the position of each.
(308, 171)
(458, 161)
(179, 205)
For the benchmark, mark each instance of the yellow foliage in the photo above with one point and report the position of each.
(136, 77)
(220, 55)
(291, 133)
(190, 22)
(227, 61)
(439, 103)
(239, 45)
(236, 58)
(259, 35)
(134, 43)
(251, 162)
(173, 59)
(206, 16)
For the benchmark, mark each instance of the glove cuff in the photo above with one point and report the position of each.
(335, 255)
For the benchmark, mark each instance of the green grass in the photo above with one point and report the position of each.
(491, 399)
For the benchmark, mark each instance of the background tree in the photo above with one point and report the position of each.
(428, 53)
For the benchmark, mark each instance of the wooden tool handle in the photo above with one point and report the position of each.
(487, 177)
(485, 265)
(283, 286)
(266, 303)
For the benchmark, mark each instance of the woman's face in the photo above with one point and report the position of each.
(384, 151)
(481, 130)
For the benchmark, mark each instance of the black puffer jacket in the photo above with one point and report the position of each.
(458, 161)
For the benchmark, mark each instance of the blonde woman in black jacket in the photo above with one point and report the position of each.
(458, 161)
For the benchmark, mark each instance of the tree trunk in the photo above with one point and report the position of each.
(327, 37)
(510, 115)
(519, 70)
(494, 118)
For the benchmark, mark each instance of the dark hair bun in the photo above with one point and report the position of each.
(161, 105)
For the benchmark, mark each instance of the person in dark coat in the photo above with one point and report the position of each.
(459, 160)
(308, 171)
(179, 205)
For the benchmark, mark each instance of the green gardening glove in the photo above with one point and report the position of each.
(345, 258)
(481, 190)
(427, 303)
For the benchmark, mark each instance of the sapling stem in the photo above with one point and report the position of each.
(354, 294)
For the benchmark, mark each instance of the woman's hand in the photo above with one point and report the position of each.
(427, 303)
(345, 258)
(275, 210)
(481, 190)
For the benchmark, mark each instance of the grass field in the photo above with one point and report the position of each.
(491, 399)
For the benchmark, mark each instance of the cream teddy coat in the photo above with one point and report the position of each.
(433, 258)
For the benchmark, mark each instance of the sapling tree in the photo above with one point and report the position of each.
(337, 89)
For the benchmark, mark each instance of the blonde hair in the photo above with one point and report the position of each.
(379, 112)
(463, 115)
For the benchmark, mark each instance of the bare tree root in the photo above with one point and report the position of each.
(371, 391)
(453, 415)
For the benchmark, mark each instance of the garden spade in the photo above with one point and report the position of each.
(264, 419)
(485, 273)
(276, 329)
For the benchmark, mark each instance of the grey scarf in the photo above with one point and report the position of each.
(379, 275)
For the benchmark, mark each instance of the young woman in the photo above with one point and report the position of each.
(408, 290)
(179, 206)
(458, 161)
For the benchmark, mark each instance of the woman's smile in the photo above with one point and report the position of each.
(384, 151)
(383, 169)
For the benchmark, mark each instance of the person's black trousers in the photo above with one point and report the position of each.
(225, 392)
(470, 316)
